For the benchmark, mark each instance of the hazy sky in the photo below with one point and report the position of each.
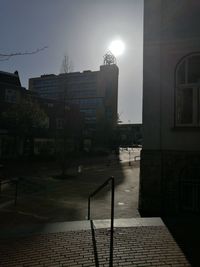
(82, 29)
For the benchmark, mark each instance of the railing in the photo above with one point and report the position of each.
(111, 181)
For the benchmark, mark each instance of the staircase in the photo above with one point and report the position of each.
(137, 242)
(121, 242)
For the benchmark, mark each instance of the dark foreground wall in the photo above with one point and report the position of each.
(170, 182)
(170, 169)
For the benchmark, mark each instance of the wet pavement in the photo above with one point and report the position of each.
(42, 198)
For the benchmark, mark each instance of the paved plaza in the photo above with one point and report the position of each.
(46, 202)
(43, 198)
(137, 242)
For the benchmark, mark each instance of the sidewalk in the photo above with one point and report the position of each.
(137, 242)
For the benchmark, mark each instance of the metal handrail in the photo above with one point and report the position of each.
(112, 180)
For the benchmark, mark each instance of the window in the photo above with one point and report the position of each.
(89, 112)
(50, 105)
(59, 123)
(109, 87)
(46, 123)
(80, 93)
(91, 119)
(10, 96)
(108, 113)
(90, 115)
(188, 91)
(88, 102)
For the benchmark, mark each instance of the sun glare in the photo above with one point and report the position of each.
(117, 47)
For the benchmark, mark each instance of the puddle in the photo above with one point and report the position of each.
(120, 203)
(127, 190)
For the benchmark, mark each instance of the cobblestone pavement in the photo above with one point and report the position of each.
(133, 246)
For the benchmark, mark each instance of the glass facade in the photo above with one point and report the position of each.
(91, 92)
(87, 102)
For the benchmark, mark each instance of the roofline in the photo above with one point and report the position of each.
(9, 73)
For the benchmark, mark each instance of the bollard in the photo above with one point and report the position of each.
(16, 190)
(129, 157)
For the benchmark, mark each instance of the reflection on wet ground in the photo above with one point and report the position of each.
(41, 198)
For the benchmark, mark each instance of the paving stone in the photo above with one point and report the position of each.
(133, 246)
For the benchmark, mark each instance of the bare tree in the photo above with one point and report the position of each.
(67, 65)
(7, 56)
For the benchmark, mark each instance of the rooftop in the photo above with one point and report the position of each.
(10, 78)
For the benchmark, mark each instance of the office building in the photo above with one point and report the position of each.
(94, 92)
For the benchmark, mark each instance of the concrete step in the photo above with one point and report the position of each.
(78, 226)
(137, 242)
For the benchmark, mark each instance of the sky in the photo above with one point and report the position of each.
(81, 29)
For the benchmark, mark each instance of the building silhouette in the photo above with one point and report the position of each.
(11, 93)
(28, 139)
(130, 135)
(95, 93)
(170, 170)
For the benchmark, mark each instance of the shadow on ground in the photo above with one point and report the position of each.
(42, 198)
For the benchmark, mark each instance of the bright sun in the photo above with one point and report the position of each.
(117, 47)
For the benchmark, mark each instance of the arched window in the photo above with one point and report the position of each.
(188, 91)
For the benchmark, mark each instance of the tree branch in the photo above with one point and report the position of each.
(4, 57)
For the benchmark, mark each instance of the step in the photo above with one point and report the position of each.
(78, 226)
(137, 242)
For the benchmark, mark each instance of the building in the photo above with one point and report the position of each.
(94, 92)
(10, 88)
(60, 131)
(11, 92)
(19, 134)
(170, 169)
(130, 134)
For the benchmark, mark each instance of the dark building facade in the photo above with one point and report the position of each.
(57, 121)
(11, 93)
(94, 92)
(130, 135)
(170, 169)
